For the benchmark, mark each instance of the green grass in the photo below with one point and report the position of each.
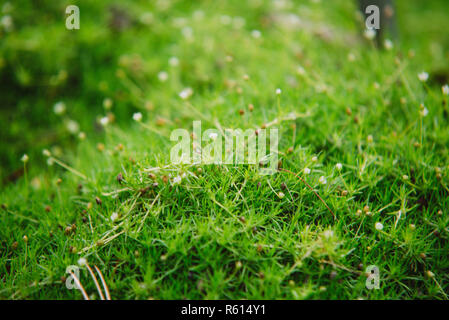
(224, 232)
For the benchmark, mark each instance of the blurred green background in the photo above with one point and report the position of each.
(41, 62)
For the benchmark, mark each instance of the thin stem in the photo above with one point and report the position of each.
(296, 175)
(95, 280)
(106, 289)
(80, 286)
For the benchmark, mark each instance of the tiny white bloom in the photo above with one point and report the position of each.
(213, 135)
(162, 76)
(300, 70)
(445, 89)
(339, 166)
(82, 135)
(82, 261)
(187, 32)
(306, 170)
(314, 159)
(147, 18)
(186, 93)
(322, 180)
(50, 161)
(388, 44)
(328, 234)
(423, 110)
(107, 103)
(104, 121)
(423, 76)
(379, 226)
(239, 22)
(278, 91)
(25, 158)
(281, 195)
(173, 61)
(177, 180)
(114, 216)
(198, 14)
(72, 126)
(137, 116)
(351, 57)
(6, 22)
(369, 34)
(46, 153)
(225, 19)
(405, 177)
(59, 108)
(256, 34)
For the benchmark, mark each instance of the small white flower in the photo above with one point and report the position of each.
(137, 116)
(72, 126)
(173, 61)
(107, 103)
(369, 34)
(198, 14)
(351, 57)
(186, 93)
(162, 76)
(339, 166)
(423, 110)
(225, 19)
(6, 22)
(104, 121)
(388, 44)
(147, 18)
(278, 91)
(187, 32)
(82, 261)
(239, 22)
(322, 180)
(328, 234)
(25, 158)
(300, 70)
(405, 177)
(114, 216)
(445, 89)
(82, 135)
(306, 171)
(314, 159)
(281, 195)
(59, 108)
(46, 153)
(177, 180)
(423, 76)
(379, 226)
(256, 34)
(213, 135)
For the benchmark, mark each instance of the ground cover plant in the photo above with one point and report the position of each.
(86, 174)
